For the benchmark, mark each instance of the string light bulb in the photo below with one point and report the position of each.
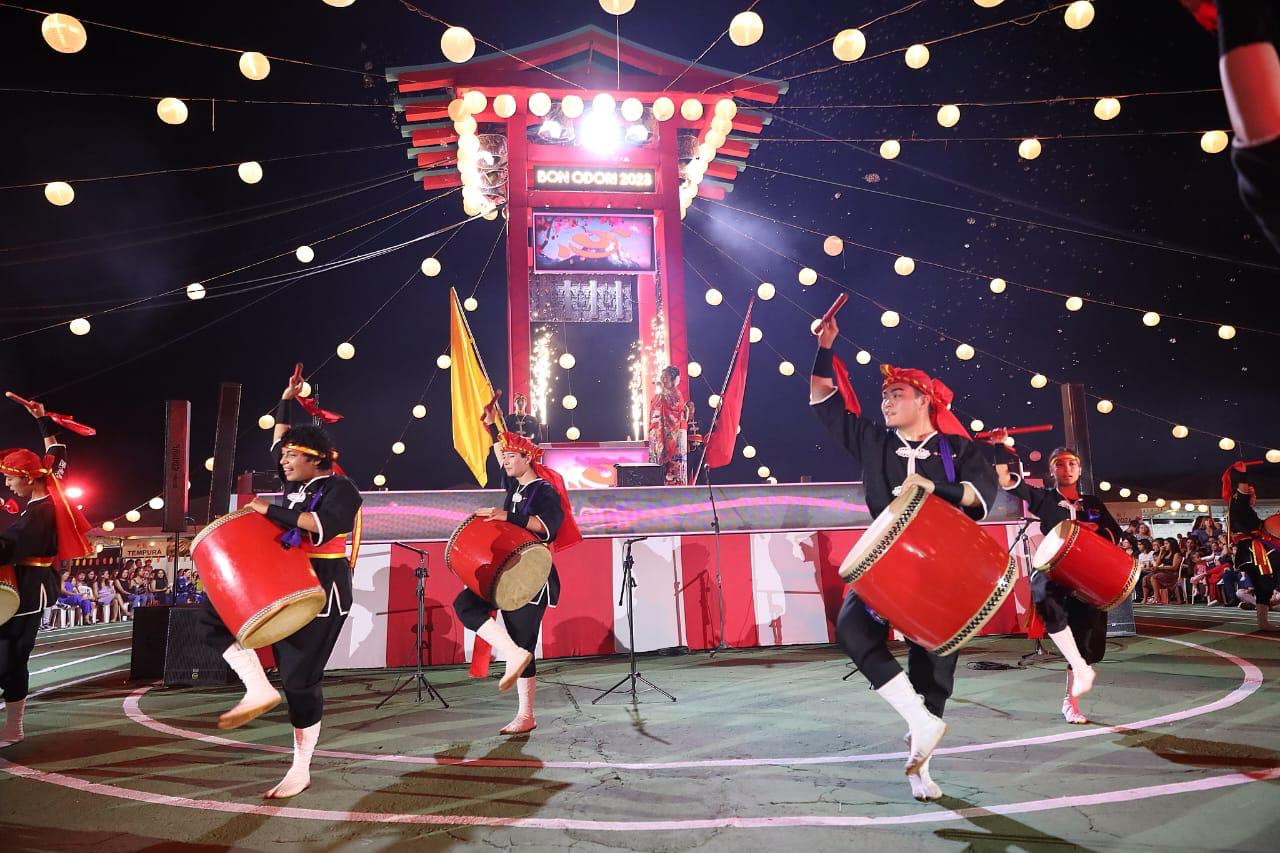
(1029, 149)
(457, 45)
(694, 370)
(765, 290)
(470, 303)
(504, 106)
(195, 292)
(849, 45)
(964, 352)
(1142, 497)
(539, 104)
(305, 254)
(755, 335)
(573, 433)
(379, 480)
(763, 472)
(1226, 332)
(691, 109)
(714, 401)
(569, 401)
(749, 452)
(786, 368)
(1074, 303)
(430, 267)
(254, 65)
(1180, 431)
(266, 422)
(714, 297)
(976, 425)
(1273, 456)
(1213, 142)
(1151, 318)
(59, 193)
(745, 29)
(862, 357)
(1079, 14)
(890, 149)
(79, 326)
(1125, 492)
(890, 319)
(833, 245)
(419, 411)
(156, 503)
(904, 265)
(171, 110)
(664, 108)
(632, 109)
(1104, 486)
(1039, 380)
(63, 33)
(346, 351)
(398, 448)
(807, 277)
(443, 361)
(948, 115)
(572, 106)
(108, 526)
(617, 7)
(133, 516)
(917, 56)
(1225, 443)
(250, 171)
(1106, 109)
(998, 285)
(1105, 407)
(1160, 501)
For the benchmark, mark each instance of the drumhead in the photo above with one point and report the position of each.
(523, 577)
(870, 543)
(9, 602)
(1054, 544)
(281, 619)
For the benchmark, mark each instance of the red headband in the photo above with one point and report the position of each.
(940, 414)
(516, 443)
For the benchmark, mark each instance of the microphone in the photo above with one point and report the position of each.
(418, 551)
(637, 539)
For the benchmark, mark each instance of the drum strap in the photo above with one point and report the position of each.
(948, 458)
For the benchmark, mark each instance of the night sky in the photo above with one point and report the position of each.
(1128, 219)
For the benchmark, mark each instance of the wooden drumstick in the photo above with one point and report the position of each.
(835, 308)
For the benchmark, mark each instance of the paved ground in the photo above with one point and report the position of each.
(767, 749)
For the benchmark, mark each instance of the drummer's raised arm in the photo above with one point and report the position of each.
(821, 382)
(291, 390)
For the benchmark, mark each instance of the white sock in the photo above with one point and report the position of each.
(923, 788)
(12, 732)
(248, 667)
(298, 779)
(1082, 681)
(495, 634)
(524, 721)
(926, 729)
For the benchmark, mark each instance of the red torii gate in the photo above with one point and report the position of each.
(585, 62)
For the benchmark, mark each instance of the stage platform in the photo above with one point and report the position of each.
(766, 749)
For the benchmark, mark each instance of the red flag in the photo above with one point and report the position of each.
(725, 434)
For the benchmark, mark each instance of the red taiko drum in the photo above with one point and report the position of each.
(1088, 564)
(498, 561)
(930, 570)
(1272, 526)
(263, 591)
(8, 593)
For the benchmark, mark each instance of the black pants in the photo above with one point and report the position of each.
(865, 640)
(17, 639)
(302, 655)
(523, 625)
(1060, 609)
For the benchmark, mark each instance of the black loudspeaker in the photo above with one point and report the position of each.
(224, 449)
(639, 474)
(168, 645)
(188, 660)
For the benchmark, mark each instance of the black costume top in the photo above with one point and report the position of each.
(33, 536)
(333, 499)
(1244, 518)
(884, 455)
(1052, 507)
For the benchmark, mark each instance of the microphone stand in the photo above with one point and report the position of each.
(419, 677)
(628, 584)
(1039, 651)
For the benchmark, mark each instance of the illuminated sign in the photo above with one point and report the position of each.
(609, 178)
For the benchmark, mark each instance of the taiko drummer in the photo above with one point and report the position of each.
(537, 500)
(318, 511)
(1077, 628)
(922, 444)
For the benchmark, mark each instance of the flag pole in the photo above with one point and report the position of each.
(724, 387)
(466, 328)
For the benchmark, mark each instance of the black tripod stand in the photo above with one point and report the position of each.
(418, 676)
(1038, 653)
(628, 584)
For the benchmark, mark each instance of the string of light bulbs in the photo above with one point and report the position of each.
(965, 351)
(212, 99)
(905, 265)
(1056, 99)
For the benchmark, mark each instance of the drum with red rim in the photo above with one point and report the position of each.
(262, 591)
(930, 570)
(498, 561)
(1272, 526)
(9, 598)
(1086, 563)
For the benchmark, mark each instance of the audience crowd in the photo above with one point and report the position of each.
(89, 595)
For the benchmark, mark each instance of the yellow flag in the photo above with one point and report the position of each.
(470, 391)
